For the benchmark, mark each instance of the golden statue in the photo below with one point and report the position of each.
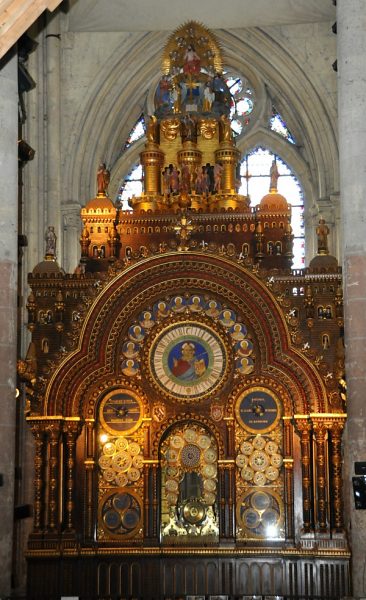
(152, 130)
(176, 96)
(226, 133)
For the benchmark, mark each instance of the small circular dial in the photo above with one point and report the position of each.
(122, 461)
(272, 473)
(259, 442)
(246, 448)
(259, 478)
(209, 455)
(120, 412)
(241, 461)
(276, 460)
(209, 470)
(271, 447)
(121, 479)
(247, 473)
(259, 460)
(133, 474)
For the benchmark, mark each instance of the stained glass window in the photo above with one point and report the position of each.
(137, 131)
(255, 183)
(132, 186)
(278, 125)
(242, 103)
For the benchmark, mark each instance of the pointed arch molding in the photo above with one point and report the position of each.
(139, 286)
(111, 108)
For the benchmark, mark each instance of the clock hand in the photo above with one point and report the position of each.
(258, 409)
(121, 411)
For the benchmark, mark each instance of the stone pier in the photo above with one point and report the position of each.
(8, 306)
(351, 41)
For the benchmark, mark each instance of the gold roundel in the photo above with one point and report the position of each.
(188, 360)
(259, 460)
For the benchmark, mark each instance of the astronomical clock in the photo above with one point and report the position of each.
(185, 387)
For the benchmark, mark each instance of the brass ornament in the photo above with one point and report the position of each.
(208, 128)
(170, 129)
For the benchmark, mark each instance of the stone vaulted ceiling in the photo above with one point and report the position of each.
(16, 16)
(144, 15)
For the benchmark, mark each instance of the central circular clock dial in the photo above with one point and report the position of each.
(188, 360)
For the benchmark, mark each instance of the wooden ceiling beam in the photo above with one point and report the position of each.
(16, 16)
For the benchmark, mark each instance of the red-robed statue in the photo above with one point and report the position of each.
(192, 62)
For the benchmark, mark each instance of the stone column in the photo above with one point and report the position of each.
(351, 42)
(71, 233)
(53, 128)
(8, 304)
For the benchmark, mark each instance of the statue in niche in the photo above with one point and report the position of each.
(322, 231)
(189, 131)
(222, 96)
(208, 98)
(51, 241)
(163, 93)
(176, 97)
(103, 179)
(218, 170)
